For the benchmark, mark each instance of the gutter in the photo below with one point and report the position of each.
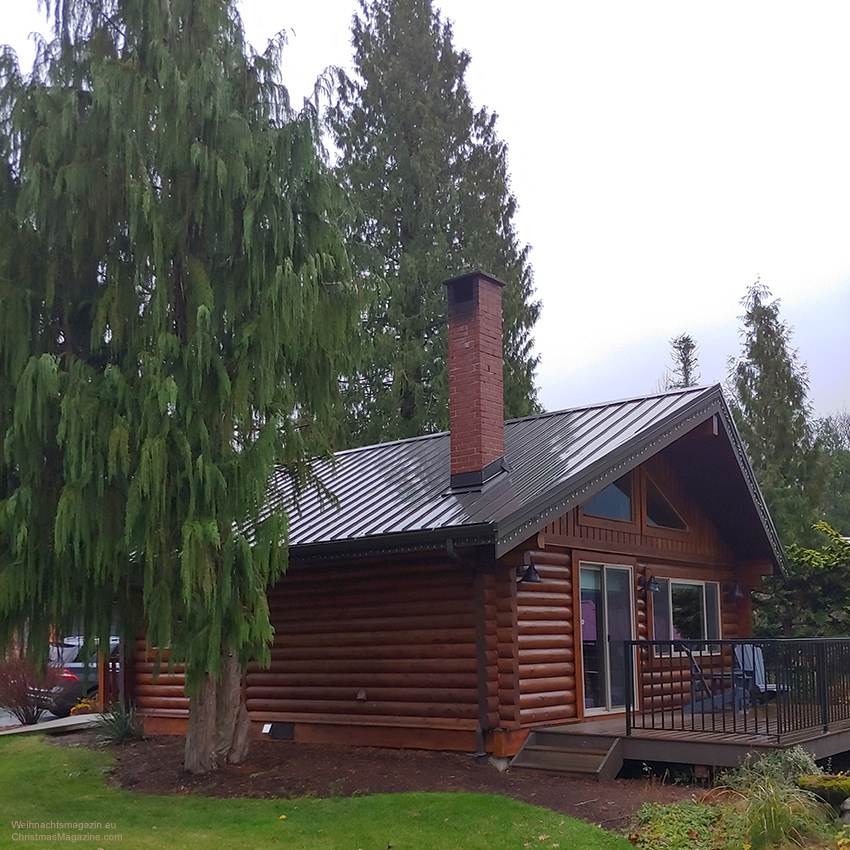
(413, 541)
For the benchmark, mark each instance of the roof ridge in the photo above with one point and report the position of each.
(545, 415)
(619, 401)
(390, 443)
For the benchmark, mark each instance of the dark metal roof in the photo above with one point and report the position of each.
(397, 496)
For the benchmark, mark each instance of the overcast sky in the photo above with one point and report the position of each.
(664, 155)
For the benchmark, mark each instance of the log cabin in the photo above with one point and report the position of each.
(465, 588)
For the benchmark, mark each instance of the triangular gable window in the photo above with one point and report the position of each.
(614, 502)
(659, 512)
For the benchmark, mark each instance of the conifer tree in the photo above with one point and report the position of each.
(427, 175)
(834, 435)
(768, 387)
(173, 318)
(810, 600)
(685, 371)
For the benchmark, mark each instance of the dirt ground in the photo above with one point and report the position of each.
(286, 770)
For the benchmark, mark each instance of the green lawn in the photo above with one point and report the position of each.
(45, 784)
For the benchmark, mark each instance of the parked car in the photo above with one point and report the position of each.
(73, 676)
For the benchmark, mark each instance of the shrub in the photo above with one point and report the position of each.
(771, 809)
(22, 689)
(776, 813)
(758, 806)
(119, 724)
(786, 766)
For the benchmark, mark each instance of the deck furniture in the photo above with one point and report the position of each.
(750, 676)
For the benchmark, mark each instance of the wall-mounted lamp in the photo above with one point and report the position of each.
(733, 590)
(649, 582)
(528, 573)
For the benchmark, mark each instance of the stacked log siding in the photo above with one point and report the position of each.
(390, 644)
(546, 646)
(162, 696)
(507, 650)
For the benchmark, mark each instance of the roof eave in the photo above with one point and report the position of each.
(481, 534)
(755, 491)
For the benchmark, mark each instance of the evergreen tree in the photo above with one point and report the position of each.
(834, 435)
(685, 371)
(171, 327)
(428, 177)
(768, 386)
(811, 600)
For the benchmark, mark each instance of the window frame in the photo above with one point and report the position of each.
(668, 582)
(663, 531)
(596, 521)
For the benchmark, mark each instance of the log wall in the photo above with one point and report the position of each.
(507, 630)
(160, 699)
(372, 649)
(546, 660)
(377, 645)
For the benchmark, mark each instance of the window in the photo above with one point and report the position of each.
(659, 512)
(686, 610)
(614, 502)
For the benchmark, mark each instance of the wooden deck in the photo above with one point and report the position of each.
(700, 744)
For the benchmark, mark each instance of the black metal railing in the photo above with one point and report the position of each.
(738, 687)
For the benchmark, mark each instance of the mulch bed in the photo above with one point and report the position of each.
(287, 770)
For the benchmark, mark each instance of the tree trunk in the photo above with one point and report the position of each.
(199, 755)
(219, 729)
(233, 726)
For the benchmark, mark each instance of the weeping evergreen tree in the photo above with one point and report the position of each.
(769, 389)
(173, 313)
(428, 176)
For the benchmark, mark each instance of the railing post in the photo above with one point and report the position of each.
(629, 651)
(820, 651)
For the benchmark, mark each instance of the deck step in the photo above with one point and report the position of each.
(571, 761)
(546, 749)
(557, 737)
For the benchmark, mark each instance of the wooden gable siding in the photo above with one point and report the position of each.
(701, 543)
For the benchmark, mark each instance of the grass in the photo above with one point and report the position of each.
(44, 783)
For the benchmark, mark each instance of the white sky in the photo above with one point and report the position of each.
(663, 155)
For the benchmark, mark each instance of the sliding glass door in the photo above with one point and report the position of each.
(606, 621)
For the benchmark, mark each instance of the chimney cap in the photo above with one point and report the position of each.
(471, 275)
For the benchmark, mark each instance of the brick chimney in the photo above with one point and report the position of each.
(476, 393)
